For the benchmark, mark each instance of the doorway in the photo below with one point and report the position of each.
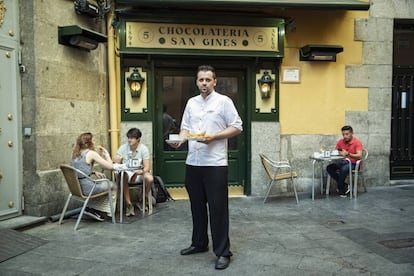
(402, 127)
(173, 87)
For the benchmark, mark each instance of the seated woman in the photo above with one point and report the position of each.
(84, 157)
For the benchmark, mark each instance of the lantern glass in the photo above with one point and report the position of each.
(135, 82)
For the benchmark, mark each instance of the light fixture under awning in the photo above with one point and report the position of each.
(314, 52)
(283, 4)
(75, 36)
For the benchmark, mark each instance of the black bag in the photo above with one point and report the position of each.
(159, 191)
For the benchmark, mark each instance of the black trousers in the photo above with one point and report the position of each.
(207, 188)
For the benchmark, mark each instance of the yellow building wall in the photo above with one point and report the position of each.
(318, 104)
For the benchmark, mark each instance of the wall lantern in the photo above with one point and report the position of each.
(81, 38)
(313, 52)
(135, 81)
(265, 85)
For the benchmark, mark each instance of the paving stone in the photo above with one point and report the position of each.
(328, 236)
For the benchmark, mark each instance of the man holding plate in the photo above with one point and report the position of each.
(208, 121)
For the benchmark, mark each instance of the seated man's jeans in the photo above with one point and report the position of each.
(339, 171)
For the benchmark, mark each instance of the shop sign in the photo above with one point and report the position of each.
(202, 37)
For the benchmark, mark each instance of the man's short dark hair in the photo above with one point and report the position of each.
(205, 68)
(347, 128)
(134, 133)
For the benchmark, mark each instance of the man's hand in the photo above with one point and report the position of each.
(344, 153)
(177, 145)
(183, 138)
(207, 139)
(224, 134)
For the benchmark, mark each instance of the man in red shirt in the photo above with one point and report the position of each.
(350, 148)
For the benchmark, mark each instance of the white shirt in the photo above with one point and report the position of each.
(212, 114)
(125, 152)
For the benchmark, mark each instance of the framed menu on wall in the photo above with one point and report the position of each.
(290, 75)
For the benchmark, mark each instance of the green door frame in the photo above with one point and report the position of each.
(251, 67)
(176, 159)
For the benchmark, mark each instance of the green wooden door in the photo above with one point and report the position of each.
(174, 86)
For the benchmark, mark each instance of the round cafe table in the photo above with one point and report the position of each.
(329, 159)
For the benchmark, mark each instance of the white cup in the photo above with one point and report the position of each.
(174, 137)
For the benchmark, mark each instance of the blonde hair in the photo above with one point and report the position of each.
(84, 141)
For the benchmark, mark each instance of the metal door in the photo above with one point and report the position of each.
(402, 119)
(174, 87)
(10, 114)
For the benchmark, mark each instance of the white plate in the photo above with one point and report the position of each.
(173, 142)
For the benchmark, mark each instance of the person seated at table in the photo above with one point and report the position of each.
(350, 148)
(84, 157)
(137, 152)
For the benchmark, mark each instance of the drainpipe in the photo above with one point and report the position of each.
(112, 82)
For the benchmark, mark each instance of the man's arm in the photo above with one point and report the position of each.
(147, 166)
(183, 135)
(224, 134)
(227, 133)
(357, 155)
(118, 157)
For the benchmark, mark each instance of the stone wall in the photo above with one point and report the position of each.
(265, 139)
(373, 127)
(64, 93)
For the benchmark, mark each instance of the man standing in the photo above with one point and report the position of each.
(215, 116)
(350, 148)
(135, 150)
